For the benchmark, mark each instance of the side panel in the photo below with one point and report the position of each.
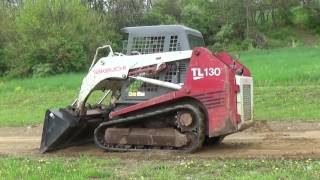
(212, 82)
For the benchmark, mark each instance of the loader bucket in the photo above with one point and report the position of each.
(62, 129)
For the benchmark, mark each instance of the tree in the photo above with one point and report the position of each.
(56, 36)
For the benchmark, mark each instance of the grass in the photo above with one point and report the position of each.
(91, 168)
(24, 101)
(287, 103)
(284, 67)
(287, 83)
(287, 87)
(55, 168)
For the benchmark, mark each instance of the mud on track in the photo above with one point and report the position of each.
(265, 140)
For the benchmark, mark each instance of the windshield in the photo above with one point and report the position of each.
(195, 41)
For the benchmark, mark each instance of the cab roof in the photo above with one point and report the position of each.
(145, 30)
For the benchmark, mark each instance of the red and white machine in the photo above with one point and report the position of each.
(164, 92)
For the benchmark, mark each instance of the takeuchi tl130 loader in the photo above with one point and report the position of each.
(165, 91)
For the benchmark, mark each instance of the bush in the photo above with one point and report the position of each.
(275, 43)
(6, 35)
(300, 16)
(3, 66)
(57, 56)
(216, 47)
(306, 17)
(41, 70)
(246, 44)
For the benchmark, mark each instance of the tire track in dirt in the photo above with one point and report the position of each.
(265, 140)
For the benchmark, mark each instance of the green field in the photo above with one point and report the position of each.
(284, 67)
(287, 83)
(287, 87)
(90, 168)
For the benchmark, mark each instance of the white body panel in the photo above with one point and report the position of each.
(245, 100)
(117, 67)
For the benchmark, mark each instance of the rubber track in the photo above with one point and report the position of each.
(194, 109)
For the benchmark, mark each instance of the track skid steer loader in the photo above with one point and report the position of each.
(164, 91)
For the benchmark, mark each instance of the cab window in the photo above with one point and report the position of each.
(195, 41)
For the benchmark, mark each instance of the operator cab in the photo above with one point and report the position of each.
(161, 38)
(157, 39)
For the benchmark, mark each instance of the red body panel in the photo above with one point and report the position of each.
(210, 80)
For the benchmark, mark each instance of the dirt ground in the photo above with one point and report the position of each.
(265, 140)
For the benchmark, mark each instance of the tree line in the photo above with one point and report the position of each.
(44, 37)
